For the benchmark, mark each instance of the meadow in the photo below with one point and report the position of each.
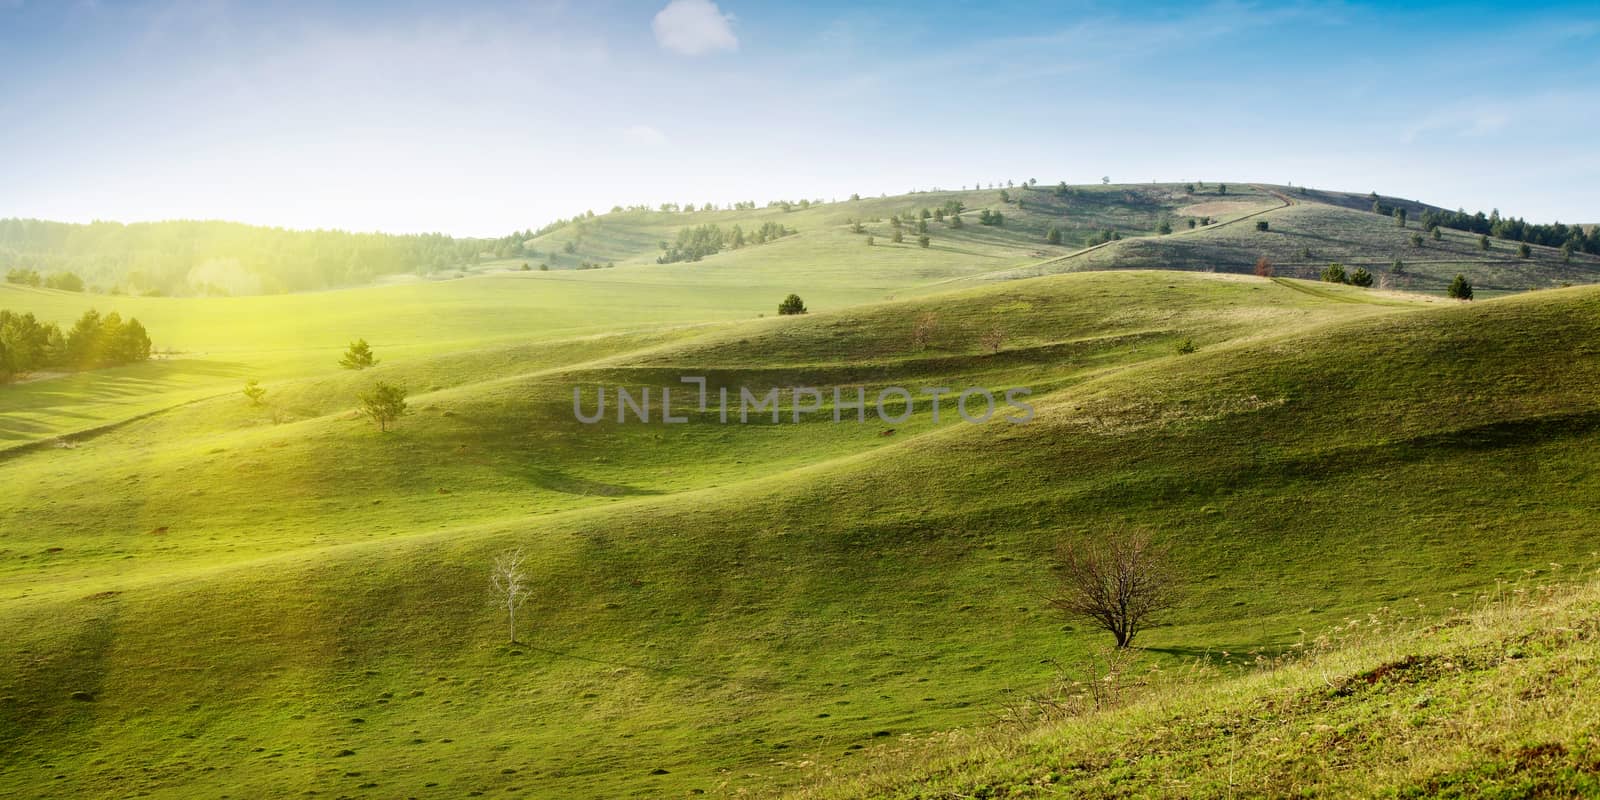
(202, 595)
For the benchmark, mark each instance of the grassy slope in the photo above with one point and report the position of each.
(1497, 702)
(222, 342)
(711, 599)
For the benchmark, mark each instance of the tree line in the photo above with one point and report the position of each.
(28, 345)
(1570, 238)
(209, 257)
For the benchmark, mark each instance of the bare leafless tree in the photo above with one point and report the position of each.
(993, 340)
(1119, 582)
(509, 584)
(922, 332)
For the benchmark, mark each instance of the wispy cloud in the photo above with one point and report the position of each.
(694, 27)
(644, 136)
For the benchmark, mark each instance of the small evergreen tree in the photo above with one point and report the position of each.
(1164, 228)
(1053, 236)
(1461, 288)
(1483, 243)
(1334, 273)
(1398, 268)
(1399, 218)
(793, 305)
(1524, 251)
(253, 390)
(358, 356)
(923, 241)
(1262, 225)
(896, 237)
(1361, 277)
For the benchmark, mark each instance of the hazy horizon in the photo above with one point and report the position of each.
(487, 117)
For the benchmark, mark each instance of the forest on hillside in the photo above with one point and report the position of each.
(217, 258)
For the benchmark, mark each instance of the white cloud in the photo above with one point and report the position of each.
(644, 136)
(694, 27)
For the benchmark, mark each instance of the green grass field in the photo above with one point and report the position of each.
(200, 596)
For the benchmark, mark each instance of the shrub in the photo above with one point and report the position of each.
(1262, 225)
(791, 305)
(1524, 251)
(1334, 273)
(1186, 347)
(923, 241)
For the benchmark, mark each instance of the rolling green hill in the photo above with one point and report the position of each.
(208, 600)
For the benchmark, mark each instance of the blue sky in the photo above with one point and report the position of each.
(477, 118)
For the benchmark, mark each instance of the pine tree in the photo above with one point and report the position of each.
(1053, 236)
(358, 356)
(1461, 288)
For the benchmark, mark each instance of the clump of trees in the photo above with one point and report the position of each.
(995, 218)
(695, 243)
(28, 345)
(1120, 583)
(65, 281)
(1516, 229)
(791, 306)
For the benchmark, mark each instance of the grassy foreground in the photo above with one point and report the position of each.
(1494, 702)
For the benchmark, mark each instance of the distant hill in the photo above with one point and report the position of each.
(1036, 229)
